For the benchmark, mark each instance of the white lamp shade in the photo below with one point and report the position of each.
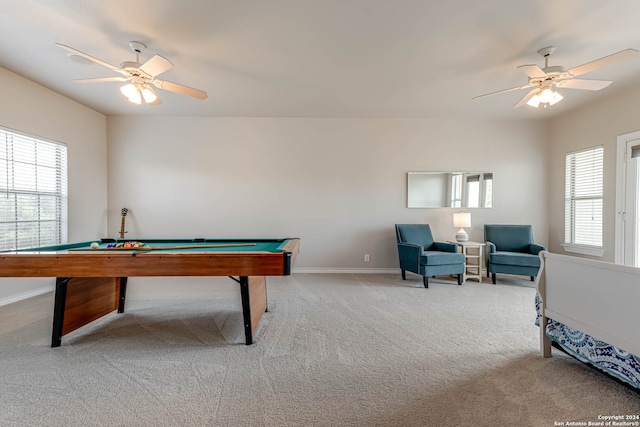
(556, 98)
(534, 101)
(149, 95)
(462, 219)
(132, 93)
(546, 95)
(128, 90)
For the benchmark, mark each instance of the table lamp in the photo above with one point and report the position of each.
(461, 220)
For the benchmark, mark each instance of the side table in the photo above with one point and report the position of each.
(473, 259)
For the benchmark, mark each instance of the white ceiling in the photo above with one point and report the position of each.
(322, 58)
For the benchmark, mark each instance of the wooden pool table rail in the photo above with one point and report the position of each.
(132, 264)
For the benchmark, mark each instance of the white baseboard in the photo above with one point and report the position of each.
(25, 295)
(347, 270)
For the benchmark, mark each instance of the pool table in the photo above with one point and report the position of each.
(91, 280)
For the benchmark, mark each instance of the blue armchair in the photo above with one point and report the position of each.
(510, 250)
(421, 255)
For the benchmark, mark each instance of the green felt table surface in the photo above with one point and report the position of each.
(204, 245)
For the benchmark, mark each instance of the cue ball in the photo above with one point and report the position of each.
(94, 245)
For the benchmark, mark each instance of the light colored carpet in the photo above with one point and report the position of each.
(333, 350)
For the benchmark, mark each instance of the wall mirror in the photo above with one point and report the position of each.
(449, 189)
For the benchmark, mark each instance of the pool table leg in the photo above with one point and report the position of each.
(123, 292)
(58, 310)
(253, 290)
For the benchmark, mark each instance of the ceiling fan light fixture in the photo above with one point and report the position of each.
(132, 93)
(136, 99)
(128, 90)
(543, 80)
(546, 96)
(141, 76)
(534, 101)
(556, 97)
(149, 95)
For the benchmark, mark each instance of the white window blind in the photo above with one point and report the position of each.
(33, 192)
(583, 197)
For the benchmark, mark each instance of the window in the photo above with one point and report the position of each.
(583, 201)
(33, 192)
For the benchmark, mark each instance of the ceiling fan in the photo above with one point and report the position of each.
(141, 77)
(547, 79)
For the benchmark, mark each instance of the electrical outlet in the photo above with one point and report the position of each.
(366, 257)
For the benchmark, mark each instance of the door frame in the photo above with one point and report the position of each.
(621, 239)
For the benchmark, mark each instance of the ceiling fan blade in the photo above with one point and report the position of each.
(156, 65)
(532, 71)
(584, 84)
(604, 62)
(90, 58)
(184, 90)
(102, 80)
(526, 98)
(503, 91)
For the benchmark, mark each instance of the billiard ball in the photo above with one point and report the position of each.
(94, 245)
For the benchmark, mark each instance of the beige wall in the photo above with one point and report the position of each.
(338, 184)
(598, 123)
(32, 109)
